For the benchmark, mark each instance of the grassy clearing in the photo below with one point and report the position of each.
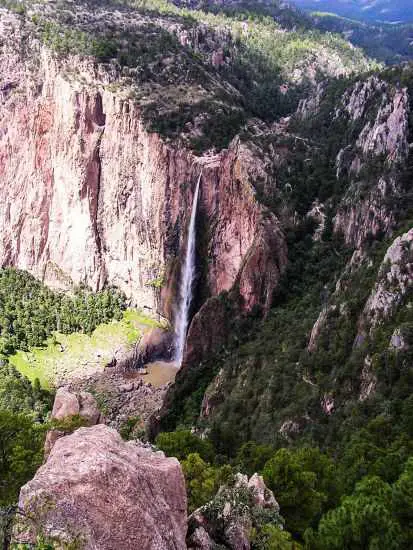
(72, 355)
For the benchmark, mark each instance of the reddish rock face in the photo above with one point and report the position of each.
(88, 195)
(100, 492)
(67, 405)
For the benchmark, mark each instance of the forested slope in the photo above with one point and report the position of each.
(329, 367)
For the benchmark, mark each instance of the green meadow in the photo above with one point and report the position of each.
(66, 356)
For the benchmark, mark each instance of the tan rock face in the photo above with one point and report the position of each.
(106, 494)
(88, 195)
(68, 404)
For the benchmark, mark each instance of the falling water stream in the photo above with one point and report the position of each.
(187, 279)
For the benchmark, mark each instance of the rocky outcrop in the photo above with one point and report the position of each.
(155, 344)
(381, 110)
(213, 395)
(310, 106)
(230, 518)
(398, 340)
(334, 303)
(368, 379)
(387, 134)
(124, 396)
(357, 100)
(68, 406)
(391, 287)
(317, 329)
(100, 492)
(360, 218)
(90, 196)
(394, 280)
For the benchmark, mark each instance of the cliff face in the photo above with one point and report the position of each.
(378, 113)
(342, 189)
(393, 282)
(89, 196)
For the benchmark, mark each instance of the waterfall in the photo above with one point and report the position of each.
(187, 278)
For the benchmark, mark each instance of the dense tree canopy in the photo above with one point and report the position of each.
(30, 311)
(21, 453)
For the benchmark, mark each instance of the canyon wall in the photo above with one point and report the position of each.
(89, 196)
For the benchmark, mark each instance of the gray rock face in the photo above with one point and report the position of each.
(381, 111)
(355, 101)
(310, 106)
(105, 494)
(368, 380)
(387, 134)
(394, 279)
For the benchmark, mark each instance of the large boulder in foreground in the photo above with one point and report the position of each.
(102, 493)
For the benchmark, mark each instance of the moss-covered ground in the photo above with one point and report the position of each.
(71, 355)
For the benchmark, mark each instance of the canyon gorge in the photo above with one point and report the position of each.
(229, 189)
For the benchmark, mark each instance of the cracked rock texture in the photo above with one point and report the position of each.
(382, 111)
(102, 493)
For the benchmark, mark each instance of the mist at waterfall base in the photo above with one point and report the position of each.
(186, 284)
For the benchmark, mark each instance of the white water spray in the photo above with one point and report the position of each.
(187, 279)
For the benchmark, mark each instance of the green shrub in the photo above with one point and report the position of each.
(182, 443)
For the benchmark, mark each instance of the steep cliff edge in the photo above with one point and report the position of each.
(299, 354)
(105, 134)
(101, 106)
(89, 196)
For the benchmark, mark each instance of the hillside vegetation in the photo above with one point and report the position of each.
(324, 383)
(45, 336)
(316, 393)
(389, 11)
(199, 76)
(388, 43)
